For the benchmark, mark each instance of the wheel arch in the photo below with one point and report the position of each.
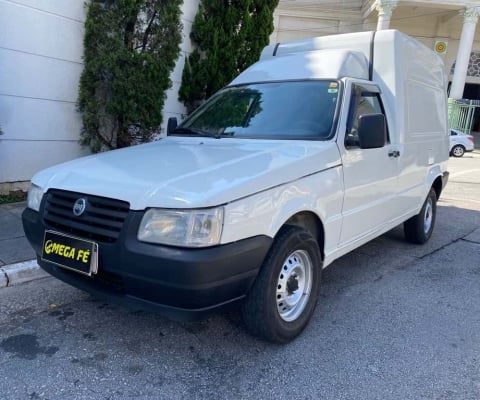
(438, 186)
(311, 222)
(434, 180)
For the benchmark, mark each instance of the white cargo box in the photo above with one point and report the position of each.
(406, 71)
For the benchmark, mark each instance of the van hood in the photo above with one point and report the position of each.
(186, 172)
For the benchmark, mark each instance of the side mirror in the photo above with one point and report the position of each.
(171, 125)
(372, 131)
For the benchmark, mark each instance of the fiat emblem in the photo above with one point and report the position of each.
(79, 207)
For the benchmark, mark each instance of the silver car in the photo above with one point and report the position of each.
(460, 142)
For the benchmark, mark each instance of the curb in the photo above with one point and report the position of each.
(15, 274)
(474, 236)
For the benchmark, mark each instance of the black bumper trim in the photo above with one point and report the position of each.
(119, 297)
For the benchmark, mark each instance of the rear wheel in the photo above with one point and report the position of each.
(419, 228)
(458, 150)
(283, 297)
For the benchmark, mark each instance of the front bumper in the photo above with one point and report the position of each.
(183, 284)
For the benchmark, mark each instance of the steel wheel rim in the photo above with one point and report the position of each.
(458, 151)
(294, 285)
(428, 216)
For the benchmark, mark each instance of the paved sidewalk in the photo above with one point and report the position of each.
(17, 258)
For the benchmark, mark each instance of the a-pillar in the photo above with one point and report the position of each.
(470, 19)
(385, 9)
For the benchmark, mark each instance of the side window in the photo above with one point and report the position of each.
(363, 102)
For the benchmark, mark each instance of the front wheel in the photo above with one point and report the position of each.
(419, 228)
(458, 151)
(283, 297)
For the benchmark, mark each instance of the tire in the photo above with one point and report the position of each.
(458, 150)
(284, 295)
(419, 228)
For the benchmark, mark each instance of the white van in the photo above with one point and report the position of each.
(319, 147)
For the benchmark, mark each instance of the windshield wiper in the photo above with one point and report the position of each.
(194, 132)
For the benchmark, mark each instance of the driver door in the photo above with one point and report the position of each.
(370, 175)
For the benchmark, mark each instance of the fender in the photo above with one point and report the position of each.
(265, 213)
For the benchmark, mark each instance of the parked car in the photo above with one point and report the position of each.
(460, 142)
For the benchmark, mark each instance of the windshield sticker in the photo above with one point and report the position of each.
(333, 85)
(332, 90)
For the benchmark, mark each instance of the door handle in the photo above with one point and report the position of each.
(394, 153)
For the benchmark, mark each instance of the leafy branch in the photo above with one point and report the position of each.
(130, 50)
(229, 36)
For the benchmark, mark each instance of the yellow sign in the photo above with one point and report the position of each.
(440, 47)
(70, 252)
(67, 251)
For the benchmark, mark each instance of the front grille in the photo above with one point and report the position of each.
(101, 221)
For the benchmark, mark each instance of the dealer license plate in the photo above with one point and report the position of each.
(70, 252)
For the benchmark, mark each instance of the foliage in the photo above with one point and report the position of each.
(229, 35)
(130, 49)
(14, 197)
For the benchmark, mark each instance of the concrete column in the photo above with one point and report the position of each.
(276, 24)
(385, 9)
(470, 19)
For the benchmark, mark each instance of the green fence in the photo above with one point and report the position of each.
(461, 114)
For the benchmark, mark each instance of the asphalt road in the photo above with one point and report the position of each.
(394, 321)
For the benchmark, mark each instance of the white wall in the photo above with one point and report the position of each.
(41, 49)
(309, 18)
(172, 107)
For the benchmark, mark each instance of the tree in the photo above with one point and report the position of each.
(229, 35)
(130, 49)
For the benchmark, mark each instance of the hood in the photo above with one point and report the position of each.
(186, 172)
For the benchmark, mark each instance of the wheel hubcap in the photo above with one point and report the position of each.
(458, 151)
(428, 216)
(294, 285)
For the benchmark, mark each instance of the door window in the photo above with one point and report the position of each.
(363, 102)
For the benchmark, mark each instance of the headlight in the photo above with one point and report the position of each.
(184, 228)
(34, 197)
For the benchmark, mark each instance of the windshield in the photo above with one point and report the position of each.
(279, 110)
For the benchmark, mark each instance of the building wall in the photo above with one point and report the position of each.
(428, 23)
(40, 64)
(41, 51)
(302, 19)
(172, 107)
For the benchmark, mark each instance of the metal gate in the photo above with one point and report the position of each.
(463, 113)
